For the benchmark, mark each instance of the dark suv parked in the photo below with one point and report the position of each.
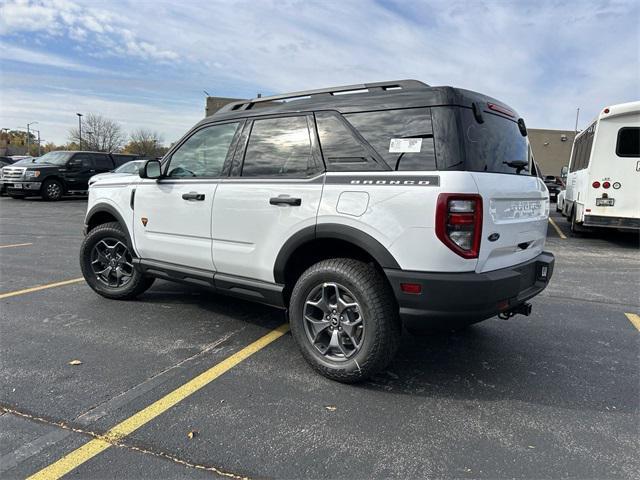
(57, 173)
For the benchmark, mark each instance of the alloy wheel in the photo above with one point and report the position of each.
(111, 262)
(333, 321)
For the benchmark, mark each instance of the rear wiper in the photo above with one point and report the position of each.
(519, 165)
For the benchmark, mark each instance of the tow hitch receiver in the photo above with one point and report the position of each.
(522, 309)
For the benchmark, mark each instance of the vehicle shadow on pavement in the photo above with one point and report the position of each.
(487, 363)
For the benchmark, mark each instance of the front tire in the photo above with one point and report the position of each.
(52, 190)
(345, 320)
(106, 263)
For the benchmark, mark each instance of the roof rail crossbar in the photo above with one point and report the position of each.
(392, 85)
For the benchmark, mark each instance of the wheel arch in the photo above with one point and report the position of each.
(104, 213)
(315, 243)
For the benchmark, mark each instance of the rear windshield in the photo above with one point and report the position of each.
(628, 144)
(495, 146)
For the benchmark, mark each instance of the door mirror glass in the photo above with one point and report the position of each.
(151, 169)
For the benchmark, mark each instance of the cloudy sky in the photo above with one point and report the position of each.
(146, 63)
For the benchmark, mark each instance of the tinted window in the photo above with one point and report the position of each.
(495, 146)
(379, 128)
(101, 162)
(85, 159)
(279, 147)
(628, 144)
(341, 148)
(204, 153)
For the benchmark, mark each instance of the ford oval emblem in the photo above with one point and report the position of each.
(493, 237)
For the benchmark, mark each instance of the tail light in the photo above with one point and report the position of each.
(606, 185)
(596, 184)
(459, 222)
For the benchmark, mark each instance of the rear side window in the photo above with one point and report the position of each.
(279, 147)
(102, 162)
(342, 149)
(582, 149)
(628, 144)
(380, 128)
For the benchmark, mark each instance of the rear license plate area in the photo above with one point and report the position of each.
(605, 202)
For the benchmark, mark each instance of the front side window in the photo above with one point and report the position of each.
(204, 153)
(279, 147)
(628, 144)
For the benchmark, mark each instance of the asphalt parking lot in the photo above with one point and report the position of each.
(172, 385)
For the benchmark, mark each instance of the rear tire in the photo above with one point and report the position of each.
(106, 263)
(52, 190)
(346, 307)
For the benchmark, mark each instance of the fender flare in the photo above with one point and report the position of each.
(332, 231)
(106, 208)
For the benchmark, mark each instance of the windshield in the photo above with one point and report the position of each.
(495, 146)
(54, 158)
(129, 167)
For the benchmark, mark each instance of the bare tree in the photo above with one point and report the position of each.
(99, 134)
(145, 142)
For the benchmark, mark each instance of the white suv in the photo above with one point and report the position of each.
(357, 209)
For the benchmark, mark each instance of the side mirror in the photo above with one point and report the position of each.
(151, 169)
(564, 171)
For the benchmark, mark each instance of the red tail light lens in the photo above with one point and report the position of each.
(596, 184)
(459, 222)
(606, 185)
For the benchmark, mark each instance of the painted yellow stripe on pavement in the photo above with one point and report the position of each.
(635, 319)
(131, 424)
(40, 287)
(555, 225)
(16, 245)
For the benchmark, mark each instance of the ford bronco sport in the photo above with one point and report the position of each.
(357, 209)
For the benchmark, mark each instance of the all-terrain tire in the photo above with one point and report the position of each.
(379, 313)
(134, 287)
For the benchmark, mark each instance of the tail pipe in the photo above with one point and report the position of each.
(522, 309)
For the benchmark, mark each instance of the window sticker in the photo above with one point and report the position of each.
(405, 145)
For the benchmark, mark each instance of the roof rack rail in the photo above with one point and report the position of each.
(345, 89)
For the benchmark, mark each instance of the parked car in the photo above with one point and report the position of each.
(390, 203)
(554, 185)
(57, 173)
(129, 168)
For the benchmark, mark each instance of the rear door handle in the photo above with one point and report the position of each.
(294, 202)
(193, 196)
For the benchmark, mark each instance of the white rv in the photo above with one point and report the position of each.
(603, 181)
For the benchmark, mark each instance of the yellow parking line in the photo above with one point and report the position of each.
(635, 319)
(94, 447)
(16, 245)
(40, 287)
(555, 225)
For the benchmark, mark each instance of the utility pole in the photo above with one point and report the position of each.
(80, 129)
(39, 151)
(577, 115)
(29, 135)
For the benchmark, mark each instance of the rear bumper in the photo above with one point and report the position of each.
(611, 222)
(470, 296)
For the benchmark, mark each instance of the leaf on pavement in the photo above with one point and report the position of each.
(331, 408)
(75, 362)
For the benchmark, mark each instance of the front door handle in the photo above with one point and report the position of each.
(294, 202)
(193, 196)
